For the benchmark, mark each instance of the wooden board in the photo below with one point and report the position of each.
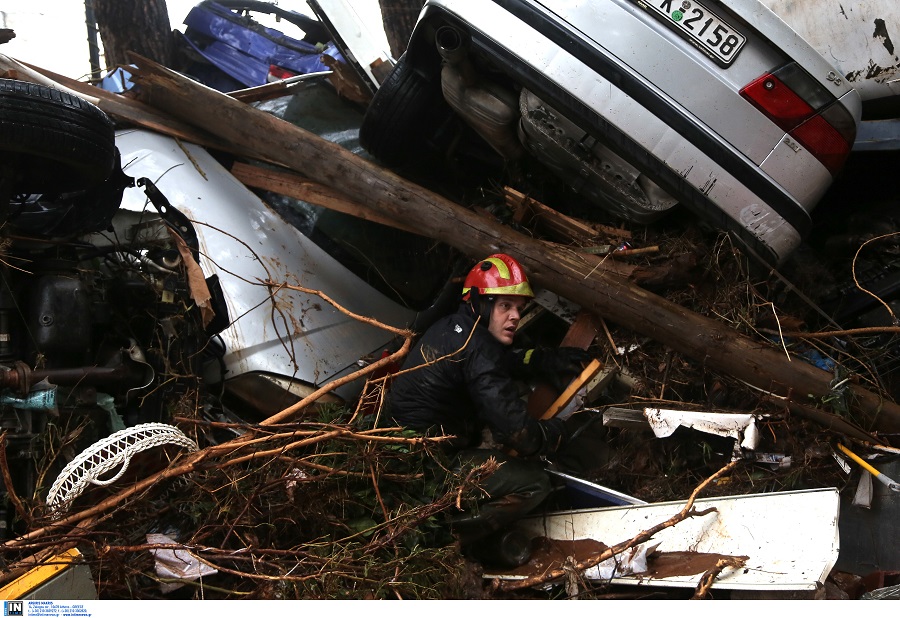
(581, 334)
(563, 400)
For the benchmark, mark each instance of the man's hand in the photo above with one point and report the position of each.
(559, 366)
(569, 360)
(555, 434)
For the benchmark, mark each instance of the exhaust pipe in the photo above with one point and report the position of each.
(450, 45)
(490, 109)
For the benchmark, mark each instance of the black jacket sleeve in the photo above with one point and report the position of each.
(492, 388)
(557, 366)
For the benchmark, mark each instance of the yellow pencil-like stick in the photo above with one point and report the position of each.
(878, 475)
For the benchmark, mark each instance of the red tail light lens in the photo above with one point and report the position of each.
(781, 104)
(824, 141)
(804, 109)
(276, 73)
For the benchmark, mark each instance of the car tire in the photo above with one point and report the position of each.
(405, 112)
(52, 141)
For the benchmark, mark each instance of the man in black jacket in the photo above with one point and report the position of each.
(465, 380)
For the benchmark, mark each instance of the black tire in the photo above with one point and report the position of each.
(405, 112)
(51, 141)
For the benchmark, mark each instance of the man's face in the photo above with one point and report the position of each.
(505, 317)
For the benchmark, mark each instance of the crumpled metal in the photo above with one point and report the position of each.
(741, 427)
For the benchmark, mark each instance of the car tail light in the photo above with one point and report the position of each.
(806, 111)
(276, 73)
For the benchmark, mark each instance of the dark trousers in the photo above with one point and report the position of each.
(514, 490)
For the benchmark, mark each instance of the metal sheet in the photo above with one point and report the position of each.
(354, 38)
(601, 496)
(791, 538)
(878, 135)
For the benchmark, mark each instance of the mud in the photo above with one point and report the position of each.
(548, 554)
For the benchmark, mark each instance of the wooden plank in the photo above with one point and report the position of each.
(581, 334)
(563, 400)
(528, 210)
(272, 90)
(615, 252)
(292, 184)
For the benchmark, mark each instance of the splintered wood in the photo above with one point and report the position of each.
(529, 212)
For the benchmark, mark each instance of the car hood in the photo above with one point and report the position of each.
(245, 243)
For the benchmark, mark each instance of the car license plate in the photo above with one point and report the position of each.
(700, 25)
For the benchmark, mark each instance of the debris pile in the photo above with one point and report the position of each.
(319, 509)
(323, 501)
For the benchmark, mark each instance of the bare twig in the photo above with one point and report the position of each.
(22, 512)
(709, 578)
(291, 411)
(869, 330)
(856, 282)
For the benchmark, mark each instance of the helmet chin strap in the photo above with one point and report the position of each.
(482, 306)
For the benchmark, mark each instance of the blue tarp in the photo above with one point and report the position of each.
(245, 49)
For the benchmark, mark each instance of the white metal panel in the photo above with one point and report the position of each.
(245, 242)
(790, 538)
(358, 36)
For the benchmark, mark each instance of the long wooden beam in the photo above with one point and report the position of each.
(119, 106)
(293, 184)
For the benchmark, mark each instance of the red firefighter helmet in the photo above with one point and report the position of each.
(497, 274)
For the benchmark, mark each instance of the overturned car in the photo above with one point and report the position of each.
(636, 105)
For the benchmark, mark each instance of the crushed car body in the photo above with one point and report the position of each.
(294, 339)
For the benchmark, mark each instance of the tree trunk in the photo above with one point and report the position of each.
(399, 17)
(139, 26)
(572, 275)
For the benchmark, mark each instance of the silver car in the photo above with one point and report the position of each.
(638, 105)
